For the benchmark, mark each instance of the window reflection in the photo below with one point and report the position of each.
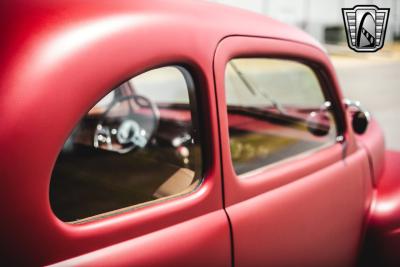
(276, 110)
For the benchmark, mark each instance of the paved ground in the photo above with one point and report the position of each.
(374, 80)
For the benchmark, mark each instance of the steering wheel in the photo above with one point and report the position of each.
(127, 124)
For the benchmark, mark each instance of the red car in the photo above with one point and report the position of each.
(170, 133)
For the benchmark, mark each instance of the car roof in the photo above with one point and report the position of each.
(28, 18)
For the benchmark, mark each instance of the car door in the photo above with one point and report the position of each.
(297, 186)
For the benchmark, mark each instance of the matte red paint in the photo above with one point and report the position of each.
(59, 57)
(383, 233)
(307, 210)
(158, 249)
(373, 142)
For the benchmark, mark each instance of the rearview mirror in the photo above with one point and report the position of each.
(318, 122)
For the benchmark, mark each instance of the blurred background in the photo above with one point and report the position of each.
(372, 78)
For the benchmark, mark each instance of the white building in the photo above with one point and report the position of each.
(317, 16)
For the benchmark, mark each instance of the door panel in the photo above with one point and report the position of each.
(313, 221)
(307, 210)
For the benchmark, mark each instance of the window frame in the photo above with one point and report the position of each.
(201, 165)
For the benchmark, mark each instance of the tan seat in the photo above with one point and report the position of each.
(179, 182)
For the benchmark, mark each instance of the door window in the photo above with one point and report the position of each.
(276, 110)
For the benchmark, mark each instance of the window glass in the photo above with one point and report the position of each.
(276, 110)
(136, 145)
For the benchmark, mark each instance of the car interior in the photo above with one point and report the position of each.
(126, 152)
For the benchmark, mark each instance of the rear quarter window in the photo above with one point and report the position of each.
(138, 145)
